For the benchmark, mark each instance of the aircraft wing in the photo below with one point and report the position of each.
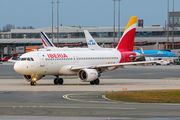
(74, 68)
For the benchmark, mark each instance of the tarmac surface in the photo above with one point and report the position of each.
(78, 100)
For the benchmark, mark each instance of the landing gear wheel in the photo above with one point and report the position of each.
(55, 81)
(92, 82)
(33, 83)
(60, 81)
(96, 82)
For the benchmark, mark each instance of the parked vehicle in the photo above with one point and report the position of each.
(6, 58)
(165, 62)
(177, 62)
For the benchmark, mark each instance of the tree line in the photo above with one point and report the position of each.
(8, 27)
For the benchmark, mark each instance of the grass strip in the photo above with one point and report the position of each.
(154, 96)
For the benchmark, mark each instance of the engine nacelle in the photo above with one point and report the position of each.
(87, 75)
(32, 78)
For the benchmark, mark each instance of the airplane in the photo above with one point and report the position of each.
(162, 54)
(87, 65)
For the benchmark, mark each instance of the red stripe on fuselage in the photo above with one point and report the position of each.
(125, 56)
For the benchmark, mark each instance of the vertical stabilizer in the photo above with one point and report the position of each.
(46, 41)
(127, 40)
(91, 42)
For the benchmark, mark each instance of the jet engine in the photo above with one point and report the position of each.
(87, 75)
(32, 78)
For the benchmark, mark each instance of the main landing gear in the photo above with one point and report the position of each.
(96, 82)
(58, 81)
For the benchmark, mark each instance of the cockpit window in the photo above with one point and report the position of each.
(25, 59)
(32, 59)
(28, 59)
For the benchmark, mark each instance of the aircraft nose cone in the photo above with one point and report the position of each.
(17, 68)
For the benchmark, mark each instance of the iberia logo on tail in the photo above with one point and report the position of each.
(127, 40)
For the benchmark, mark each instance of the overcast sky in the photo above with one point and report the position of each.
(99, 13)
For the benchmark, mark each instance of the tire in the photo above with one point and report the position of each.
(96, 82)
(32, 83)
(60, 81)
(55, 81)
(92, 82)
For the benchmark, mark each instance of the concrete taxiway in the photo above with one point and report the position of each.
(78, 100)
(76, 85)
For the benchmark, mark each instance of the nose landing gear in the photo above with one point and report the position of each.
(33, 83)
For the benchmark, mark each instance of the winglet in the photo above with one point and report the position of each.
(91, 42)
(46, 41)
(127, 40)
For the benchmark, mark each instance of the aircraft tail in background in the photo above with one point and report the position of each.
(46, 41)
(91, 42)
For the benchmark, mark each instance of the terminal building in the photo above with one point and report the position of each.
(154, 37)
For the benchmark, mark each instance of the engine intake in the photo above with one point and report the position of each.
(87, 75)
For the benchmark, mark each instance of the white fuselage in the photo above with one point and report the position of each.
(60, 62)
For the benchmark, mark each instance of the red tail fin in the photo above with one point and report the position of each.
(127, 40)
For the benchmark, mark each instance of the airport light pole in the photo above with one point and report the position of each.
(167, 24)
(173, 28)
(52, 19)
(119, 32)
(114, 24)
(168, 21)
(57, 23)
